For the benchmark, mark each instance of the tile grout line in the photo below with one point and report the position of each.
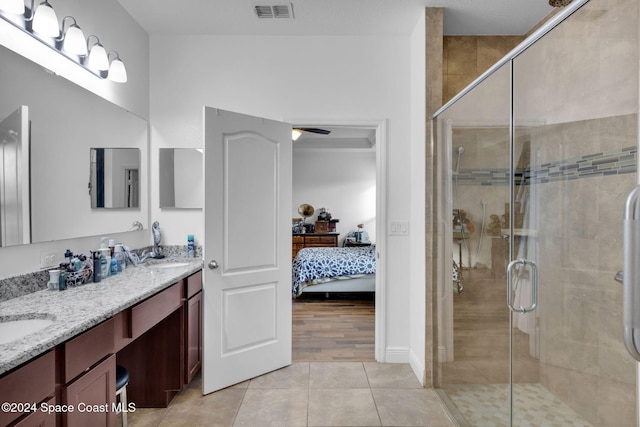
(373, 397)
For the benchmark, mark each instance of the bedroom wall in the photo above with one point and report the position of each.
(352, 78)
(343, 182)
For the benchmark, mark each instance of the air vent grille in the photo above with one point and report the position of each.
(274, 11)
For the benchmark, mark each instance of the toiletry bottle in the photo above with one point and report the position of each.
(112, 247)
(114, 266)
(191, 246)
(104, 266)
(62, 279)
(105, 253)
(119, 254)
(97, 268)
(68, 256)
(54, 280)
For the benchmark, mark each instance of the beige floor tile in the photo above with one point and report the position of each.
(337, 375)
(273, 407)
(342, 407)
(144, 417)
(410, 407)
(391, 375)
(215, 409)
(293, 376)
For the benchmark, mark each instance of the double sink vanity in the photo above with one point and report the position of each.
(58, 358)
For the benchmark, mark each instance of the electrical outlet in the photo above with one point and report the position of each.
(49, 259)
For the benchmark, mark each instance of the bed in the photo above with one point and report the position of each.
(347, 269)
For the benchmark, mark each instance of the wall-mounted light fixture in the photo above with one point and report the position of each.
(41, 23)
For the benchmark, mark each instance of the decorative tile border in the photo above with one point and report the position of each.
(615, 162)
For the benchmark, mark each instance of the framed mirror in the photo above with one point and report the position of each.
(64, 122)
(115, 181)
(181, 180)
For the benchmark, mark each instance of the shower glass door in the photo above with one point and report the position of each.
(575, 105)
(535, 162)
(474, 334)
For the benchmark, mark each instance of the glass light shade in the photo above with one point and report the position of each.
(295, 134)
(117, 72)
(98, 59)
(45, 21)
(12, 6)
(74, 41)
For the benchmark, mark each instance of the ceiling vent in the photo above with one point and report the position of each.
(266, 11)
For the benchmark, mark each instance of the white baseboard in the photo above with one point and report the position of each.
(397, 355)
(417, 365)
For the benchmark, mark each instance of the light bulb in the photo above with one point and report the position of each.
(45, 20)
(74, 41)
(98, 58)
(12, 6)
(117, 71)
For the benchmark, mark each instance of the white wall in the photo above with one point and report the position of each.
(117, 30)
(337, 79)
(417, 355)
(342, 181)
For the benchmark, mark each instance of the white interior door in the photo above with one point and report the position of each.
(247, 247)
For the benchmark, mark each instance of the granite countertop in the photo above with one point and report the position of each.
(77, 309)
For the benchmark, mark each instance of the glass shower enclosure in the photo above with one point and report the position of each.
(534, 162)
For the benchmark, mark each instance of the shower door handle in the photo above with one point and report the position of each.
(631, 277)
(534, 285)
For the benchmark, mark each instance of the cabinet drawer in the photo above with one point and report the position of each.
(298, 239)
(329, 240)
(87, 349)
(194, 284)
(39, 418)
(320, 240)
(148, 313)
(31, 383)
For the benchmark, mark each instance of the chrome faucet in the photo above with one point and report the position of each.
(157, 236)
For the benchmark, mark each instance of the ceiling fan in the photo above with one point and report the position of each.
(296, 132)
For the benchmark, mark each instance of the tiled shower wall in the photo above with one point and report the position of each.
(582, 172)
(467, 57)
(582, 358)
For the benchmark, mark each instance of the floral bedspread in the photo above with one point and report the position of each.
(317, 263)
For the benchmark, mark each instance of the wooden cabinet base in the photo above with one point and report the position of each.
(154, 362)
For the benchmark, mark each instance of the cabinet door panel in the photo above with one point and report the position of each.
(193, 337)
(31, 383)
(95, 390)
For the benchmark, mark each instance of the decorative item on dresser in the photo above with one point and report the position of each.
(313, 240)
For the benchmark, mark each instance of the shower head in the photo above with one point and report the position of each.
(559, 3)
(460, 150)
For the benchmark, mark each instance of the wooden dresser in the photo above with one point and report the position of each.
(313, 240)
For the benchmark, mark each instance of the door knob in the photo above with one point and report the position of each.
(213, 264)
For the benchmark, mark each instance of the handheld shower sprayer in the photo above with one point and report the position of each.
(459, 150)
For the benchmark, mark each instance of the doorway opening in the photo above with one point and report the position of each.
(338, 169)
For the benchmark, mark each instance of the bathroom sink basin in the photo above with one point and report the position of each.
(14, 328)
(169, 265)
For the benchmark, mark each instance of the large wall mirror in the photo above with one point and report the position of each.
(181, 180)
(64, 122)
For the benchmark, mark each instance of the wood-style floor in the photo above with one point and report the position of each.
(340, 328)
